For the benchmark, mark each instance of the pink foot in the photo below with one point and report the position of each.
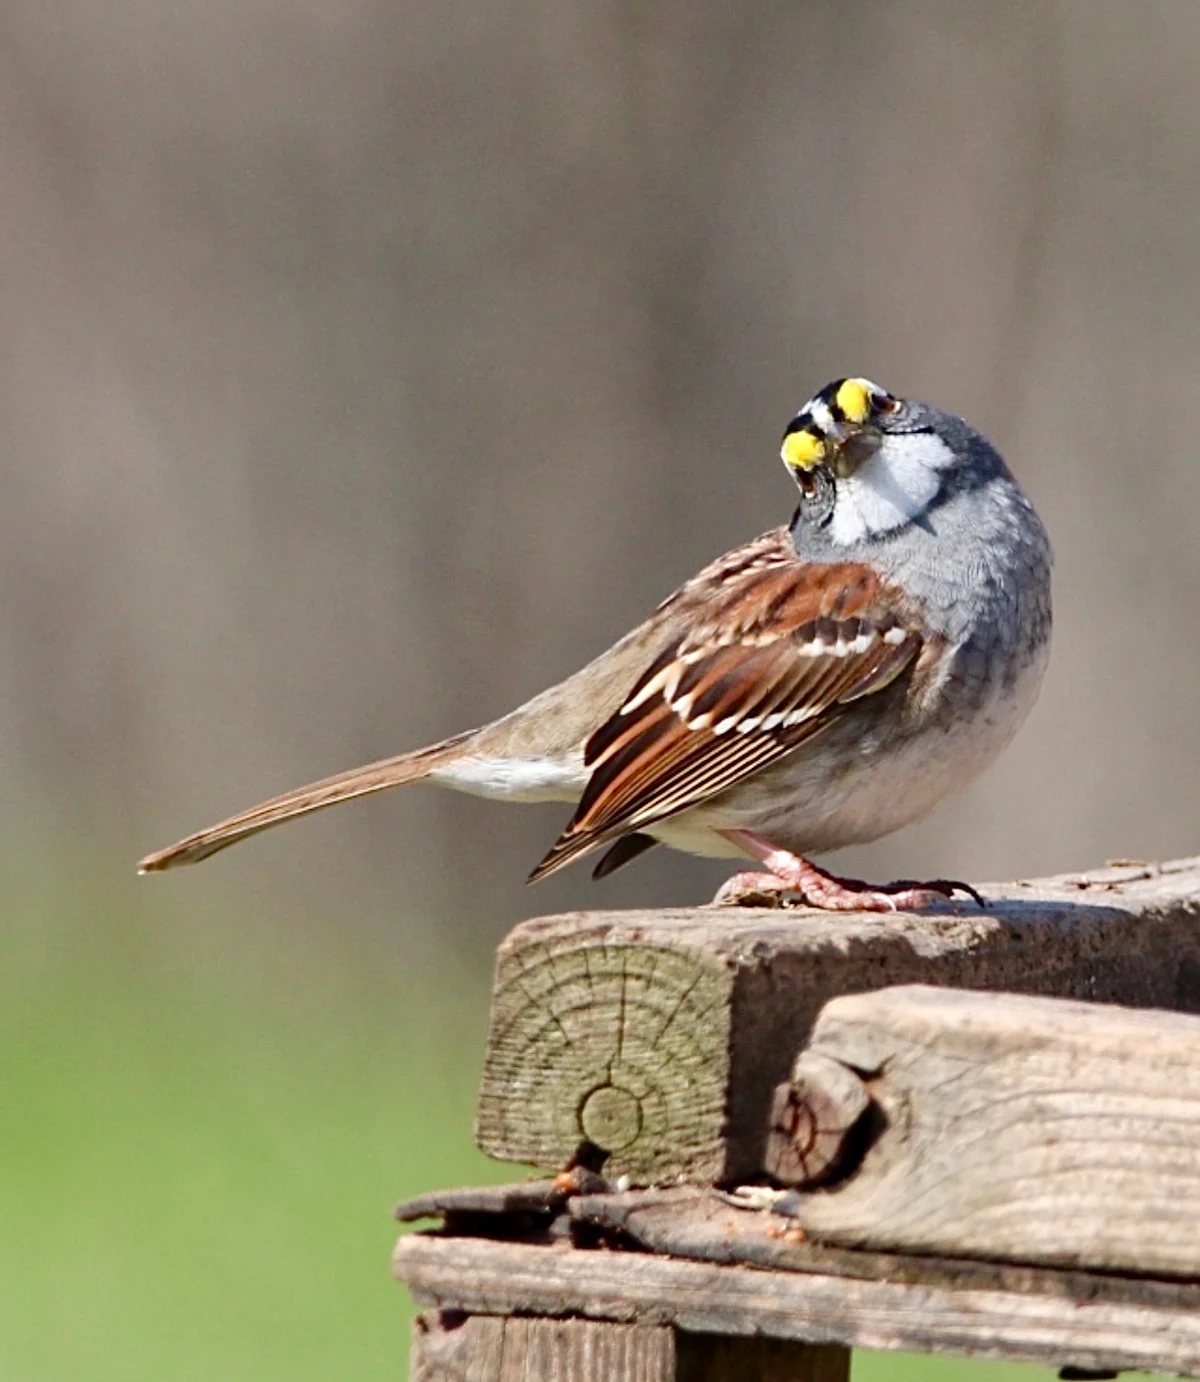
(791, 873)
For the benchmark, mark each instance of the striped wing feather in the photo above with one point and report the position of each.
(776, 649)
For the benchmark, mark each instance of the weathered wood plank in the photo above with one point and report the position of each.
(751, 1227)
(496, 1348)
(710, 1226)
(1027, 1129)
(653, 1041)
(477, 1275)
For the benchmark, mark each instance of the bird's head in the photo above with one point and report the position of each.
(868, 462)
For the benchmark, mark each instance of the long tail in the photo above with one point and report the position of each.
(358, 782)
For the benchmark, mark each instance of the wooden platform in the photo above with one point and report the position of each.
(658, 1037)
(956, 1169)
(704, 1274)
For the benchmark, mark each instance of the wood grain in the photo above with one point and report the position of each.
(486, 1348)
(712, 1226)
(449, 1347)
(1021, 1129)
(478, 1275)
(653, 1041)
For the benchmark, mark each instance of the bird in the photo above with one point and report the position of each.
(822, 685)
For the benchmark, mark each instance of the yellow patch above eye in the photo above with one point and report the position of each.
(803, 449)
(854, 400)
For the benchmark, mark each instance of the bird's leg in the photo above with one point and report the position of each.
(789, 873)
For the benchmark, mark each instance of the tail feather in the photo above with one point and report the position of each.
(358, 782)
(569, 846)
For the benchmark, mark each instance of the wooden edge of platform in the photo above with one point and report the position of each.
(479, 1276)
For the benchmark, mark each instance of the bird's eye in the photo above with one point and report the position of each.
(858, 401)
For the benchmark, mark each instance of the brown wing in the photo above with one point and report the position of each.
(775, 649)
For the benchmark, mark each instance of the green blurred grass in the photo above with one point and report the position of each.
(205, 1124)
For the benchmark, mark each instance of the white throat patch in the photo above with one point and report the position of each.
(890, 489)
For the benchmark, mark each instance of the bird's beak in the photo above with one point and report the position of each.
(855, 444)
(842, 447)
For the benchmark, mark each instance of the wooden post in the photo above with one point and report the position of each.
(498, 1348)
(652, 1042)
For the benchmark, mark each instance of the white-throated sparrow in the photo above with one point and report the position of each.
(821, 686)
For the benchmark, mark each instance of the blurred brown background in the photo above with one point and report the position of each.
(365, 366)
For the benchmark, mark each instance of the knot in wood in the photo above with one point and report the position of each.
(810, 1118)
(611, 1118)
